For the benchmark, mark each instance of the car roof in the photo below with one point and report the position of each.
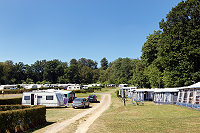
(79, 98)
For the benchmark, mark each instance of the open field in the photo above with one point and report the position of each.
(147, 118)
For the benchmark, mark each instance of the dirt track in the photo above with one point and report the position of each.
(89, 115)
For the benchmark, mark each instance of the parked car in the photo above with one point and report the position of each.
(80, 103)
(92, 98)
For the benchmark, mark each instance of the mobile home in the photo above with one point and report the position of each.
(66, 94)
(166, 96)
(49, 99)
(144, 94)
(123, 85)
(189, 96)
(74, 87)
(127, 91)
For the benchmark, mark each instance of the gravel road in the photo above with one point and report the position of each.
(89, 115)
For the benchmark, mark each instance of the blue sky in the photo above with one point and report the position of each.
(33, 30)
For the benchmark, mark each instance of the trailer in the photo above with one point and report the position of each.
(166, 96)
(49, 99)
(189, 96)
(143, 94)
(127, 91)
(66, 94)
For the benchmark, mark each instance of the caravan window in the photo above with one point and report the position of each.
(39, 96)
(49, 97)
(26, 97)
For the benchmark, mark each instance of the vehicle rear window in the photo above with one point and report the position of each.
(78, 99)
(49, 97)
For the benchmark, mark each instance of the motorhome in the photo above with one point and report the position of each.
(49, 99)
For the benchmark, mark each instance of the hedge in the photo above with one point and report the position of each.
(9, 101)
(90, 89)
(21, 118)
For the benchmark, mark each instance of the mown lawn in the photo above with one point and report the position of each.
(147, 118)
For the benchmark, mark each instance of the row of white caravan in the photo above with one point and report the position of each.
(188, 96)
(49, 98)
(35, 86)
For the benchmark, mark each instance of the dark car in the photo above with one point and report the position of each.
(92, 98)
(80, 102)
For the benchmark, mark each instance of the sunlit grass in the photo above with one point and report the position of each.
(147, 118)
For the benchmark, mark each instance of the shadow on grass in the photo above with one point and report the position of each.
(37, 128)
(94, 101)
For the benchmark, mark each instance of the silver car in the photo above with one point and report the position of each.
(80, 103)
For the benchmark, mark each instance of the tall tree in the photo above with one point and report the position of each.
(180, 45)
(104, 63)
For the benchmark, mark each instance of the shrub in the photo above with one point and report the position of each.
(9, 101)
(20, 118)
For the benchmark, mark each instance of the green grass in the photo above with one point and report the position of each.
(147, 118)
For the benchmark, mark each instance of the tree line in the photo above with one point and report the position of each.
(170, 58)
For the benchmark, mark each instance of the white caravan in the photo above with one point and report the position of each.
(49, 99)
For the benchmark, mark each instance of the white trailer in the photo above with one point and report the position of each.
(49, 99)
(144, 94)
(66, 94)
(166, 96)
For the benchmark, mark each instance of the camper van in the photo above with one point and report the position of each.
(49, 99)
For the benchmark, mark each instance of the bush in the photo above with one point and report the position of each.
(9, 101)
(21, 118)
(94, 88)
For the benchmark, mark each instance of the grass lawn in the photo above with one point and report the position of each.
(147, 118)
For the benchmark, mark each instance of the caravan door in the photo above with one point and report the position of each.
(35, 100)
(32, 99)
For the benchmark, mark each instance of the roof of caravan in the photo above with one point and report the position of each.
(196, 85)
(167, 90)
(127, 88)
(59, 91)
(142, 90)
(42, 92)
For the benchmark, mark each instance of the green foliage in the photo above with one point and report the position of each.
(10, 101)
(20, 118)
(104, 63)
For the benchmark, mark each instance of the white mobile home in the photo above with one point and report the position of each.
(127, 91)
(144, 94)
(66, 94)
(166, 96)
(123, 85)
(49, 99)
(74, 87)
(8, 87)
(110, 85)
(189, 96)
